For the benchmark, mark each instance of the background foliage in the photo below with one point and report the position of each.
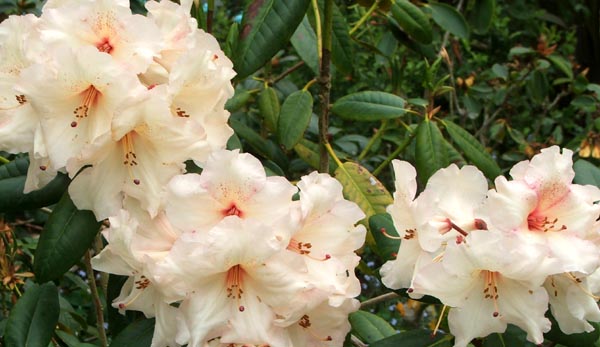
(483, 82)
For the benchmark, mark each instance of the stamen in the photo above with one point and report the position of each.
(130, 158)
(578, 283)
(234, 285)
(305, 323)
(385, 233)
(542, 223)
(20, 99)
(181, 113)
(490, 290)
(437, 326)
(140, 284)
(89, 97)
(303, 248)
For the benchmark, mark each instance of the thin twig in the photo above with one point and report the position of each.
(378, 299)
(96, 299)
(365, 17)
(288, 71)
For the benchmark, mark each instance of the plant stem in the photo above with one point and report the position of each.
(288, 71)
(318, 29)
(393, 156)
(209, 16)
(376, 136)
(378, 299)
(325, 81)
(365, 17)
(96, 299)
(4, 160)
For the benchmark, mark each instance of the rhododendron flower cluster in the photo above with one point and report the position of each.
(119, 102)
(500, 256)
(233, 258)
(91, 84)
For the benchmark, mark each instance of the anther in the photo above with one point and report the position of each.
(73, 124)
(43, 167)
(480, 224)
(241, 308)
(136, 182)
(385, 233)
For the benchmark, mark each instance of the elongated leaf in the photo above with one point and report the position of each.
(309, 152)
(449, 19)
(12, 183)
(369, 106)
(369, 327)
(33, 318)
(265, 148)
(268, 105)
(266, 27)
(136, 334)
(68, 233)
(513, 336)
(430, 151)
(415, 338)
(473, 150)
(586, 173)
(294, 118)
(386, 247)
(481, 15)
(304, 41)
(412, 21)
(562, 64)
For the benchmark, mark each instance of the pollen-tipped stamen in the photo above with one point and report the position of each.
(304, 248)
(490, 290)
(437, 325)
(578, 282)
(130, 158)
(233, 282)
(392, 237)
(305, 323)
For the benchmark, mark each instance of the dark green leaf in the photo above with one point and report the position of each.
(586, 173)
(449, 19)
(473, 150)
(266, 27)
(415, 338)
(238, 100)
(32, 320)
(412, 21)
(513, 336)
(519, 51)
(136, 334)
(386, 247)
(68, 233)
(294, 118)
(304, 41)
(309, 152)
(12, 183)
(562, 64)
(537, 86)
(369, 327)
(263, 147)
(481, 15)
(369, 106)
(268, 105)
(586, 103)
(572, 340)
(430, 151)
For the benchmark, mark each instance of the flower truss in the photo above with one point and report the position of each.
(500, 256)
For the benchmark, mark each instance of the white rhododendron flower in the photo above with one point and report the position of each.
(231, 184)
(398, 273)
(135, 244)
(18, 121)
(105, 25)
(146, 148)
(501, 256)
(486, 288)
(87, 89)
